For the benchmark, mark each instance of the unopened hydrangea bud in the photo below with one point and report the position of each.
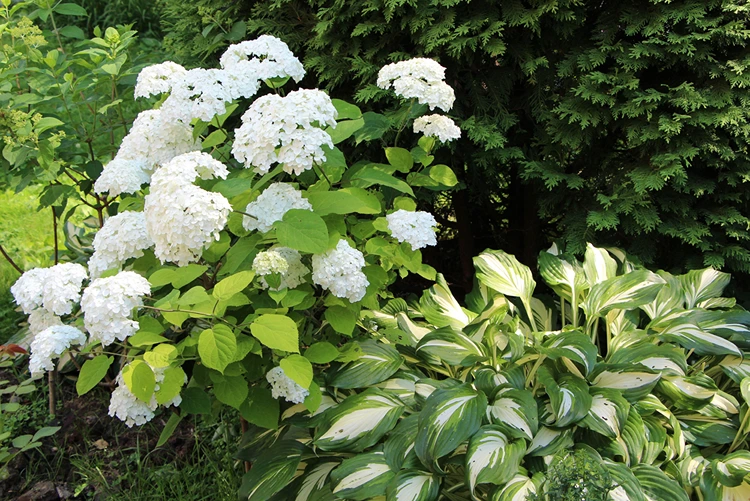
(420, 79)
(50, 344)
(340, 271)
(292, 270)
(268, 262)
(416, 228)
(284, 386)
(437, 126)
(271, 206)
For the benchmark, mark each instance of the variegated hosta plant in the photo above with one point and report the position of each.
(628, 385)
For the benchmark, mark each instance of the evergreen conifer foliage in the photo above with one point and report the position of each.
(625, 123)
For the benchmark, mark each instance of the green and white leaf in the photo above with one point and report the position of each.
(515, 412)
(625, 487)
(492, 457)
(377, 363)
(624, 292)
(598, 265)
(569, 397)
(451, 347)
(635, 382)
(700, 285)
(657, 486)
(688, 392)
(564, 274)
(519, 488)
(413, 485)
(690, 336)
(272, 471)
(441, 309)
(667, 359)
(547, 441)
(315, 480)
(364, 476)
(505, 274)
(574, 345)
(608, 412)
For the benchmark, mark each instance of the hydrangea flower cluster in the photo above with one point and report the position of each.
(283, 260)
(50, 344)
(122, 237)
(420, 79)
(127, 407)
(40, 319)
(438, 126)
(108, 304)
(416, 228)
(200, 93)
(55, 289)
(283, 386)
(285, 130)
(182, 218)
(158, 78)
(271, 206)
(340, 271)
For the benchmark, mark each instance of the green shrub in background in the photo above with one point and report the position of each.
(623, 123)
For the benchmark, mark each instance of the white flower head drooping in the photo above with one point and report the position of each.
(420, 79)
(416, 228)
(340, 271)
(108, 305)
(55, 289)
(182, 218)
(128, 408)
(284, 386)
(50, 344)
(285, 130)
(271, 205)
(437, 126)
(122, 237)
(283, 260)
(157, 78)
(266, 57)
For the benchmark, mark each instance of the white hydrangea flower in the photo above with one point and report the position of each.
(284, 386)
(157, 78)
(182, 218)
(340, 271)
(292, 270)
(55, 289)
(122, 237)
(199, 93)
(417, 228)
(437, 126)
(127, 407)
(271, 206)
(418, 78)
(122, 176)
(108, 305)
(285, 130)
(50, 344)
(40, 319)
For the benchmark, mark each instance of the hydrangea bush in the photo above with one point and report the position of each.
(242, 245)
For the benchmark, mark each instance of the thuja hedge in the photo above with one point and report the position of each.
(623, 123)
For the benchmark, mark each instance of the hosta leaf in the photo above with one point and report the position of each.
(448, 418)
(632, 440)
(670, 297)
(574, 345)
(691, 467)
(402, 385)
(625, 487)
(492, 457)
(315, 481)
(502, 272)
(413, 485)
(515, 412)
(624, 292)
(272, 471)
(519, 488)
(358, 422)
(451, 347)
(635, 382)
(699, 285)
(737, 368)
(689, 393)
(399, 447)
(426, 387)
(548, 441)
(657, 485)
(690, 336)
(569, 397)
(705, 432)
(563, 273)
(732, 468)
(598, 265)
(608, 412)
(666, 359)
(415, 332)
(441, 309)
(364, 476)
(377, 363)
(656, 438)
(713, 490)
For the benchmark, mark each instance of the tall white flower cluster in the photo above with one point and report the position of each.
(261, 59)
(416, 228)
(421, 79)
(200, 93)
(127, 407)
(108, 305)
(122, 237)
(50, 344)
(283, 260)
(438, 126)
(340, 271)
(284, 386)
(158, 79)
(182, 218)
(54, 289)
(285, 130)
(271, 205)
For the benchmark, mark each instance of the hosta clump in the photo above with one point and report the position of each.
(628, 385)
(242, 271)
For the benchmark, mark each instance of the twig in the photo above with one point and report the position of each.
(54, 231)
(12, 263)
